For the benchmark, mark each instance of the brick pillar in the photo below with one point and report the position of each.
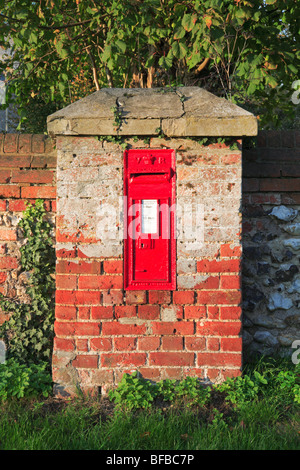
(103, 330)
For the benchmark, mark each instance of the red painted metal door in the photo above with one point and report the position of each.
(149, 187)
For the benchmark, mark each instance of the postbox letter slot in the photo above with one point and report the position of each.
(149, 178)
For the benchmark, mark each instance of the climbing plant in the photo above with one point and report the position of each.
(28, 333)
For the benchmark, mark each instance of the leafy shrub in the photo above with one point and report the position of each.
(133, 392)
(18, 380)
(28, 333)
(188, 389)
(242, 389)
(289, 382)
(166, 389)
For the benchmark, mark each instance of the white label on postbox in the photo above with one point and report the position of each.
(149, 216)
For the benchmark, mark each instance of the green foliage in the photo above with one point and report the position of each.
(166, 389)
(117, 117)
(281, 381)
(188, 389)
(115, 139)
(245, 50)
(218, 421)
(18, 380)
(289, 383)
(29, 331)
(240, 390)
(206, 141)
(37, 112)
(270, 421)
(133, 392)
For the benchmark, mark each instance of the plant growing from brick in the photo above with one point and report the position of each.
(29, 331)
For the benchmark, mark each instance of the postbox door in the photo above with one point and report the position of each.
(150, 244)
(151, 247)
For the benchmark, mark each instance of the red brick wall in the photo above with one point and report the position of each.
(27, 172)
(271, 170)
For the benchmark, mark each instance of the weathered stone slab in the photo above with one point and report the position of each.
(185, 111)
(191, 125)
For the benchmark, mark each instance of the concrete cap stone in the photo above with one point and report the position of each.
(177, 112)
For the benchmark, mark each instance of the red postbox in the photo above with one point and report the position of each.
(149, 220)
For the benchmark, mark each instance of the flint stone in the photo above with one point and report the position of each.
(279, 301)
(256, 252)
(252, 294)
(286, 275)
(267, 322)
(283, 213)
(293, 243)
(286, 340)
(247, 338)
(293, 320)
(295, 287)
(263, 268)
(266, 338)
(293, 229)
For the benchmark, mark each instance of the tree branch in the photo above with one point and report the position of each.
(95, 76)
(70, 25)
(202, 65)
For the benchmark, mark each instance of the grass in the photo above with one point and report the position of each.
(268, 422)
